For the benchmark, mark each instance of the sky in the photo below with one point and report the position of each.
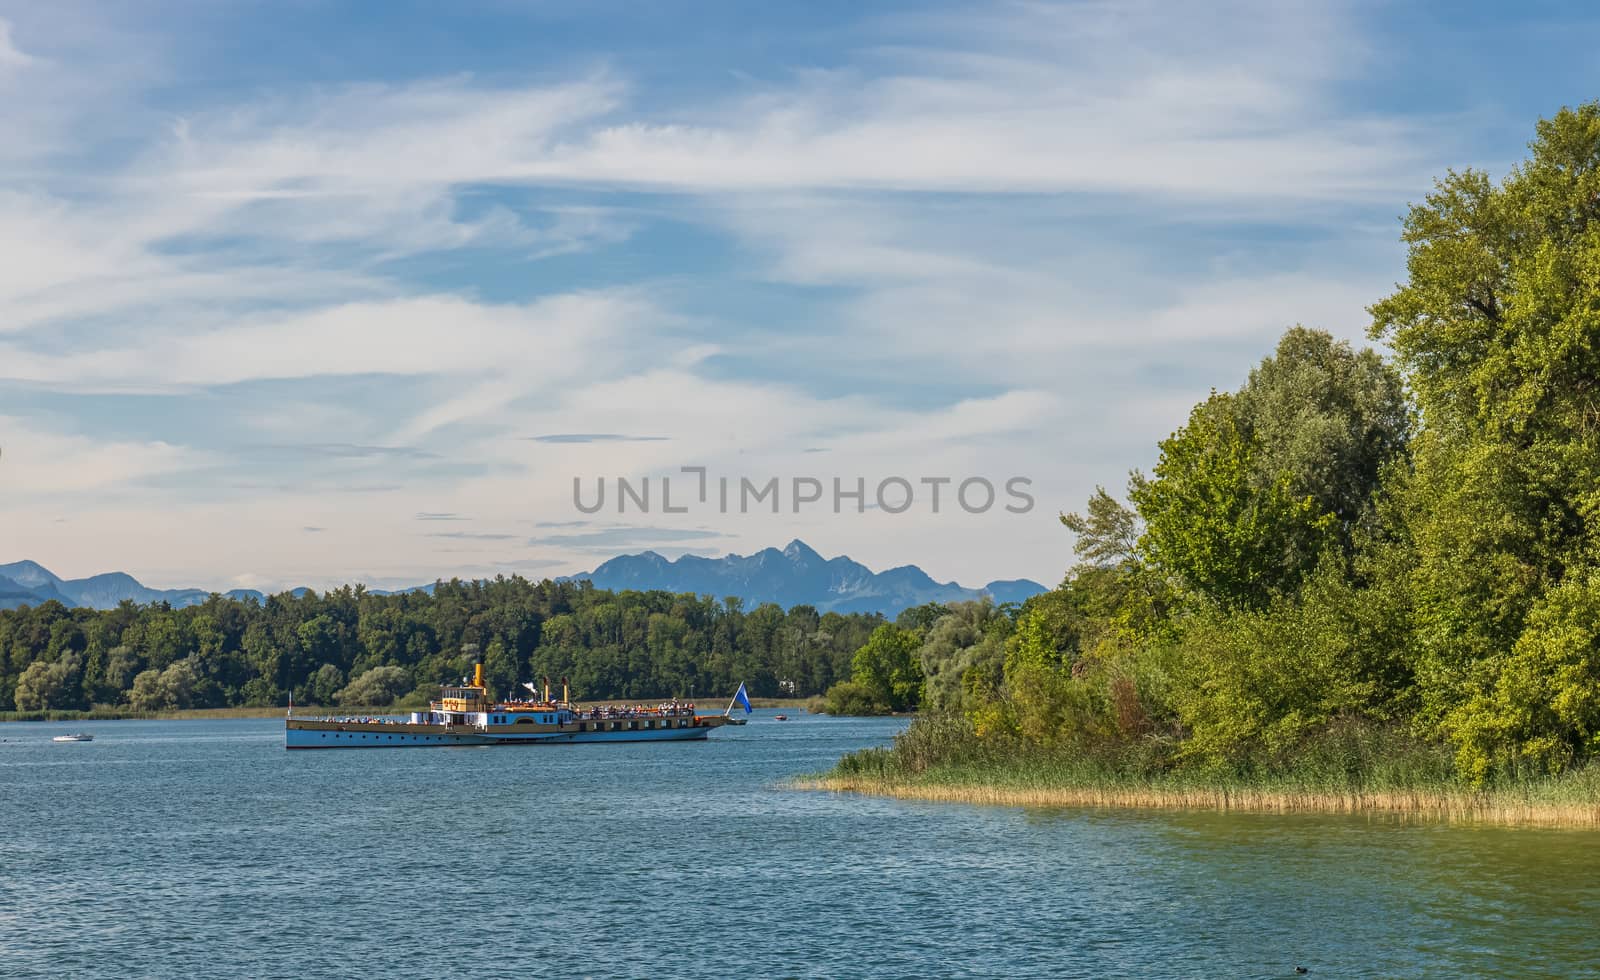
(306, 293)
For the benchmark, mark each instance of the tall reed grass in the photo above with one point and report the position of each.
(1346, 769)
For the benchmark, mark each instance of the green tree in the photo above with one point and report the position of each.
(164, 690)
(324, 685)
(45, 685)
(887, 667)
(1252, 493)
(1330, 418)
(963, 655)
(1107, 532)
(1498, 330)
(378, 686)
(500, 668)
(1541, 713)
(1211, 522)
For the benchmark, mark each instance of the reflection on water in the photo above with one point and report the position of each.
(205, 848)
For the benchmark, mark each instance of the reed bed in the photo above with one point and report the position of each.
(1450, 806)
(1356, 770)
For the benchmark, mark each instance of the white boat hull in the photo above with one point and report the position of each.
(310, 734)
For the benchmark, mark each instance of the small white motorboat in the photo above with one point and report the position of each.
(75, 737)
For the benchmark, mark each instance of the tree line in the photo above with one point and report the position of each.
(1345, 544)
(351, 647)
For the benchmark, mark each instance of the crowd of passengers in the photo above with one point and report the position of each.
(669, 709)
(666, 709)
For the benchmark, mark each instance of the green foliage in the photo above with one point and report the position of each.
(1107, 532)
(920, 619)
(611, 645)
(1249, 496)
(1329, 419)
(1048, 633)
(378, 686)
(850, 698)
(1498, 330)
(46, 685)
(887, 667)
(963, 655)
(1308, 574)
(164, 690)
(500, 668)
(1267, 678)
(324, 685)
(1542, 712)
(1213, 522)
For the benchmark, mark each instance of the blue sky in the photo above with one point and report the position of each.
(299, 292)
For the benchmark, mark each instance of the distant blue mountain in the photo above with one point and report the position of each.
(105, 591)
(795, 576)
(29, 575)
(14, 594)
(28, 583)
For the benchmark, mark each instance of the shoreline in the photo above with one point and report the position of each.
(1506, 808)
(212, 714)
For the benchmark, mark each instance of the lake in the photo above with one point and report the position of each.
(203, 848)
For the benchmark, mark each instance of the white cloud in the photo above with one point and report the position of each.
(11, 58)
(538, 343)
(43, 466)
(976, 211)
(1127, 98)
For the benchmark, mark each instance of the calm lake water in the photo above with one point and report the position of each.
(205, 849)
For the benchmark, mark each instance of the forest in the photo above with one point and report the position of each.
(352, 648)
(1369, 559)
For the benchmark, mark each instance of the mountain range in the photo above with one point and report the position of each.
(28, 583)
(797, 575)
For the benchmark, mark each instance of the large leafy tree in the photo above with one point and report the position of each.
(887, 666)
(1261, 484)
(1498, 329)
(1212, 524)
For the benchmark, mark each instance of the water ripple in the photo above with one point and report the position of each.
(202, 848)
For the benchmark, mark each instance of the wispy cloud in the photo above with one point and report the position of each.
(342, 450)
(473, 536)
(584, 437)
(1104, 98)
(10, 57)
(624, 537)
(960, 240)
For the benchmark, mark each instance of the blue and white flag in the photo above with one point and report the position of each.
(743, 698)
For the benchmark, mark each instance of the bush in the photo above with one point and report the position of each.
(378, 686)
(47, 685)
(164, 690)
(850, 698)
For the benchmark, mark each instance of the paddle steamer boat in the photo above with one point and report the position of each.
(466, 715)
